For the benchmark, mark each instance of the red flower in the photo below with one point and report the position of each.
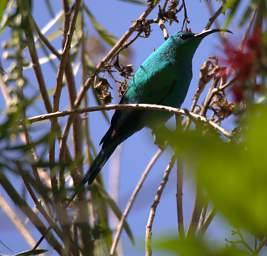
(241, 59)
(238, 93)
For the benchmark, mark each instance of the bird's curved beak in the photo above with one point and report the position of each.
(205, 33)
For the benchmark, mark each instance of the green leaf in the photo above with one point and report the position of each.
(233, 174)
(193, 247)
(3, 5)
(32, 252)
(233, 6)
(139, 2)
(103, 33)
(112, 204)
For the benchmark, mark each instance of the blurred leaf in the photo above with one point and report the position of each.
(103, 33)
(244, 17)
(32, 252)
(5, 15)
(234, 175)
(140, 2)
(233, 6)
(193, 247)
(115, 209)
(3, 5)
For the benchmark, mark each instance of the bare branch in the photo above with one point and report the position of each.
(162, 108)
(179, 198)
(132, 199)
(208, 220)
(216, 14)
(155, 205)
(16, 221)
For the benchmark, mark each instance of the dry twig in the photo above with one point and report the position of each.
(155, 204)
(132, 199)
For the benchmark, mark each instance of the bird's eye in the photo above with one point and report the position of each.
(186, 36)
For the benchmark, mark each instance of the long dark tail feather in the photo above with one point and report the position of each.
(95, 168)
(98, 163)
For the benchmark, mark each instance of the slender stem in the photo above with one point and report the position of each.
(155, 204)
(208, 220)
(65, 55)
(11, 214)
(214, 17)
(132, 200)
(26, 209)
(162, 108)
(44, 40)
(185, 21)
(179, 198)
(196, 213)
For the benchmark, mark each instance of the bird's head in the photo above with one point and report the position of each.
(189, 41)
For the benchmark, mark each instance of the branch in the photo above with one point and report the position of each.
(216, 14)
(179, 198)
(44, 40)
(162, 108)
(11, 214)
(196, 213)
(65, 54)
(208, 220)
(186, 19)
(155, 205)
(132, 199)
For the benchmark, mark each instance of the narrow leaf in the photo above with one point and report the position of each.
(117, 212)
(103, 33)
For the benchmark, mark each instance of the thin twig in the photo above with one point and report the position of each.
(65, 55)
(16, 221)
(44, 40)
(196, 213)
(132, 200)
(162, 108)
(214, 17)
(155, 204)
(36, 65)
(186, 19)
(207, 222)
(179, 198)
(25, 208)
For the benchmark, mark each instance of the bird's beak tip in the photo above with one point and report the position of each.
(211, 31)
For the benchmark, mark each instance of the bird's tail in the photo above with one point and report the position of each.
(98, 163)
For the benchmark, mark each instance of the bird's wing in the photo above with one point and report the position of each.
(152, 83)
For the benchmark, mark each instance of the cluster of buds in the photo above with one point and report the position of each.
(101, 88)
(221, 107)
(126, 71)
(208, 71)
(170, 13)
(143, 27)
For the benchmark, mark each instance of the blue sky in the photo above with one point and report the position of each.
(135, 153)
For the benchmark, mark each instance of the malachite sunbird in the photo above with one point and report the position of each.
(163, 79)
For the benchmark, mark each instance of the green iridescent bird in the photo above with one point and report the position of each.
(163, 79)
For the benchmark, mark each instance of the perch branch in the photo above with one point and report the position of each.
(162, 108)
